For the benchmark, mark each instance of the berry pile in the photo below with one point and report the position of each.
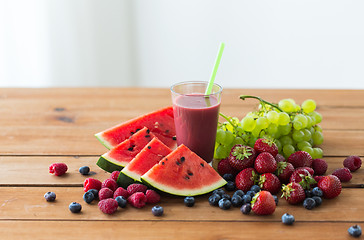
(300, 178)
(293, 127)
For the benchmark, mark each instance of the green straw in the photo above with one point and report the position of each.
(214, 71)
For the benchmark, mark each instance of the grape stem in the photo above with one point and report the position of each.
(227, 119)
(243, 97)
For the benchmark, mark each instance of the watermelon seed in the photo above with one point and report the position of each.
(187, 177)
(148, 131)
(147, 136)
(167, 131)
(149, 147)
(137, 129)
(131, 148)
(174, 138)
(162, 163)
(178, 163)
(183, 159)
(202, 164)
(189, 173)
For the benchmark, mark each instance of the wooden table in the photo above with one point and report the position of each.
(41, 126)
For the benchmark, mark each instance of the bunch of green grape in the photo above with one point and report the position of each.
(293, 127)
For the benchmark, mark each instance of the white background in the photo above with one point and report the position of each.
(155, 43)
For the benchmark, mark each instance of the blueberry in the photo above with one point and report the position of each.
(247, 198)
(355, 231)
(224, 204)
(251, 193)
(316, 191)
(309, 203)
(308, 193)
(239, 193)
(246, 208)
(228, 177)
(318, 200)
(84, 170)
(88, 197)
(219, 191)
(230, 186)
(95, 192)
(255, 188)
(214, 199)
(287, 219)
(157, 210)
(189, 201)
(75, 207)
(237, 201)
(50, 196)
(276, 199)
(121, 201)
(226, 196)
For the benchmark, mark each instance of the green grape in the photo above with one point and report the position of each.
(297, 108)
(262, 123)
(229, 138)
(273, 116)
(309, 106)
(318, 128)
(252, 141)
(298, 135)
(239, 130)
(286, 140)
(302, 119)
(317, 153)
(308, 149)
(283, 118)
(285, 129)
(272, 129)
(307, 134)
(303, 144)
(248, 123)
(256, 132)
(279, 144)
(222, 151)
(229, 127)
(317, 138)
(312, 130)
(220, 136)
(287, 105)
(238, 140)
(297, 125)
(288, 149)
(309, 122)
(317, 117)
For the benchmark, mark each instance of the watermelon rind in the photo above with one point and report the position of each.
(183, 192)
(124, 180)
(108, 164)
(103, 141)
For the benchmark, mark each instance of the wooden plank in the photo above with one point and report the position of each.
(171, 230)
(14, 168)
(27, 203)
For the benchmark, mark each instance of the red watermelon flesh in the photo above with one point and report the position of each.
(150, 155)
(183, 173)
(160, 123)
(122, 154)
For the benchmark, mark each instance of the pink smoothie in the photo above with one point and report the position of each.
(196, 120)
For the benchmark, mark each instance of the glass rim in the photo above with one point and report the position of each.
(195, 82)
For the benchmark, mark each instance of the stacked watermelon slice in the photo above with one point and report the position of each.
(144, 149)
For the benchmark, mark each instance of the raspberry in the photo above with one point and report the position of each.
(319, 166)
(343, 174)
(137, 200)
(115, 175)
(136, 187)
(105, 193)
(121, 192)
(224, 167)
(91, 183)
(108, 206)
(109, 183)
(152, 196)
(353, 163)
(58, 169)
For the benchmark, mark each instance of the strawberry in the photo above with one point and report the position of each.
(343, 174)
(224, 167)
(310, 170)
(319, 166)
(242, 157)
(300, 159)
(303, 177)
(246, 179)
(293, 193)
(317, 179)
(284, 171)
(263, 203)
(270, 183)
(266, 145)
(330, 186)
(265, 163)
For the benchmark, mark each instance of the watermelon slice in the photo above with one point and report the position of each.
(122, 154)
(183, 173)
(150, 155)
(160, 123)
